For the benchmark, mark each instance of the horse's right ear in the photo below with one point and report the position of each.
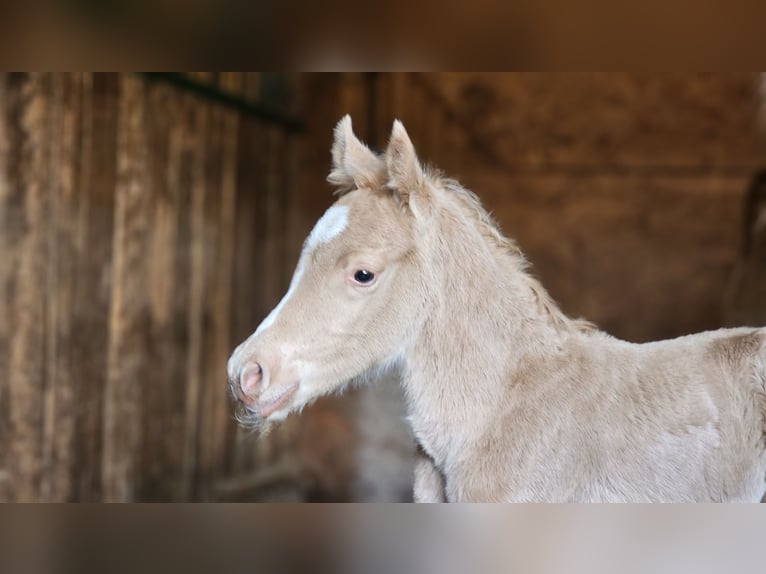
(405, 175)
(353, 163)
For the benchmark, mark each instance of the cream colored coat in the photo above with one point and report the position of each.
(509, 399)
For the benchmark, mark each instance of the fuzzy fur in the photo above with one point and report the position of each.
(509, 399)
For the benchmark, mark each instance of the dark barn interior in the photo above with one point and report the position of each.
(148, 222)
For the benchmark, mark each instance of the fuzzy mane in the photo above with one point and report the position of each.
(491, 231)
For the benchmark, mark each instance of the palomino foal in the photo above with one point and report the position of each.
(508, 398)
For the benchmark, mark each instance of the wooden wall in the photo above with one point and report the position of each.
(142, 235)
(625, 190)
(145, 231)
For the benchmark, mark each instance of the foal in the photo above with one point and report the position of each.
(508, 398)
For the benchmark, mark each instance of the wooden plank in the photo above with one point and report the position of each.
(221, 196)
(188, 176)
(315, 195)
(270, 234)
(29, 115)
(206, 457)
(95, 229)
(162, 161)
(434, 132)
(352, 99)
(164, 384)
(223, 307)
(60, 399)
(383, 113)
(5, 272)
(296, 226)
(195, 314)
(128, 327)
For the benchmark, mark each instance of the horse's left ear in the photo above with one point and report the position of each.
(353, 163)
(405, 175)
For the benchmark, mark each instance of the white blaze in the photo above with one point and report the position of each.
(331, 224)
(275, 311)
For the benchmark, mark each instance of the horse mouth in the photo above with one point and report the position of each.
(265, 408)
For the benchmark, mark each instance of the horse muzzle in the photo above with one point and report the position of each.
(252, 387)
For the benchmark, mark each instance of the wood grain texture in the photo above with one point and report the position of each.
(28, 205)
(95, 223)
(60, 395)
(195, 250)
(128, 314)
(220, 204)
(162, 402)
(123, 284)
(144, 232)
(5, 303)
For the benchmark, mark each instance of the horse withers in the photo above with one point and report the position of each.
(508, 398)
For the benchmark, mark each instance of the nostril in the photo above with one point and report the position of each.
(250, 379)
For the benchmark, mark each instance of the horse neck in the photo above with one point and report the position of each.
(484, 315)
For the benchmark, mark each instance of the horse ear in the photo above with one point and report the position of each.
(353, 163)
(405, 175)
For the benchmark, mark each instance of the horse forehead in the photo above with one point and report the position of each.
(330, 225)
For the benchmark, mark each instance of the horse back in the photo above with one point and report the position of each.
(738, 347)
(742, 352)
(695, 409)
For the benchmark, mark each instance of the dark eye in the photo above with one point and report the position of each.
(363, 277)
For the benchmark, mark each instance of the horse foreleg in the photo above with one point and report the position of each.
(429, 482)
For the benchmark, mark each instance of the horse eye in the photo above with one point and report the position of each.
(363, 277)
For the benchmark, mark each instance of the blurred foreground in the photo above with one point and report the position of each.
(384, 539)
